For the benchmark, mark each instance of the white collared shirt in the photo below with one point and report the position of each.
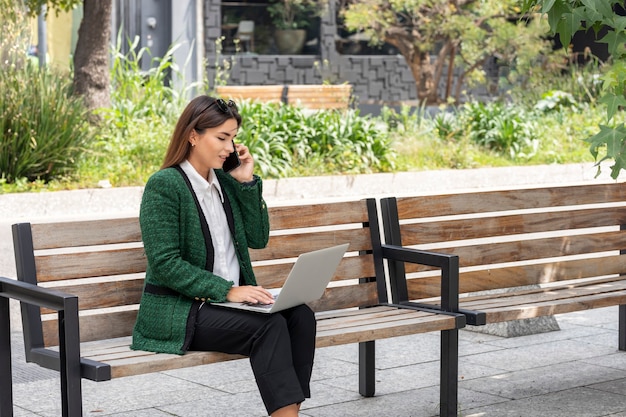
(209, 194)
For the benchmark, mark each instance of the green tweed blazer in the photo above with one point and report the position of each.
(179, 261)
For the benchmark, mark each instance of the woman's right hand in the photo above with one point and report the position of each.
(250, 294)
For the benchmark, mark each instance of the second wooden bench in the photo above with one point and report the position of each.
(524, 253)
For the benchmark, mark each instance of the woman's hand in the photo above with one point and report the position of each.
(243, 173)
(250, 294)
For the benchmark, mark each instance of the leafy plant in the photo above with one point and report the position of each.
(44, 128)
(504, 129)
(447, 125)
(555, 100)
(284, 140)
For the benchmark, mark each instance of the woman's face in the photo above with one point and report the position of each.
(210, 148)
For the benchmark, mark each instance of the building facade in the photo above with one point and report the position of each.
(205, 32)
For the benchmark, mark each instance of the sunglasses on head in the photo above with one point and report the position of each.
(222, 105)
(225, 106)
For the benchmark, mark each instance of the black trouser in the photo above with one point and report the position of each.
(281, 347)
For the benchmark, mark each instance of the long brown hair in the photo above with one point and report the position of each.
(201, 113)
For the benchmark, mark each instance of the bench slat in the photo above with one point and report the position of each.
(521, 275)
(67, 234)
(164, 362)
(113, 324)
(502, 251)
(105, 294)
(483, 227)
(85, 233)
(525, 295)
(402, 326)
(525, 198)
(90, 264)
(272, 276)
(347, 297)
(292, 245)
(551, 306)
(318, 214)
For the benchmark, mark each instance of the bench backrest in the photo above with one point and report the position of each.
(310, 96)
(102, 262)
(261, 93)
(320, 96)
(512, 238)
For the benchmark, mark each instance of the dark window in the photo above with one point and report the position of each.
(247, 27)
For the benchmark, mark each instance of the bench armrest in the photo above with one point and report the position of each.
(449, 265)
(39, 296)
(67, 359)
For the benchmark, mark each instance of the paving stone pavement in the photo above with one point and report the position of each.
(575, 371)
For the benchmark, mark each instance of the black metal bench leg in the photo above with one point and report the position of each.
(622, 327)
(449, 373)
(71, 389)
(6, 375)
(367, 363)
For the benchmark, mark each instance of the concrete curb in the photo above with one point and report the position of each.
(93, 202)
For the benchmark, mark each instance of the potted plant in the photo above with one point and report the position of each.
(291, 18)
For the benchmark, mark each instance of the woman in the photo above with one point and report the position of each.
(197, 223)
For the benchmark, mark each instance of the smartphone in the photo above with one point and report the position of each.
(232, 161)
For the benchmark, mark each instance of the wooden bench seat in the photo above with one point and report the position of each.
(524, 253)
(101, 264)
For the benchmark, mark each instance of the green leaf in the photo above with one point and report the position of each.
(602, 7)
(613, 103)
(547, 5)
(567, 26)
(615, 41)
(613, 140)
(556, 12)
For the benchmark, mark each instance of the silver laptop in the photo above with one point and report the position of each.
(306, 282)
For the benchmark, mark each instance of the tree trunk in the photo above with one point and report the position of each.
(423, 73)
(91, 59)
(419, 62)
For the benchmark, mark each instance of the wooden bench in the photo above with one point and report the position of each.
(101, 263)
(523, 253)
(310, 96)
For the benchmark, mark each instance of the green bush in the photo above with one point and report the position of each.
(502, 128)
(287, 140)
(44, 128)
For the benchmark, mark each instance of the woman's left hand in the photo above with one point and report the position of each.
(243, 173)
